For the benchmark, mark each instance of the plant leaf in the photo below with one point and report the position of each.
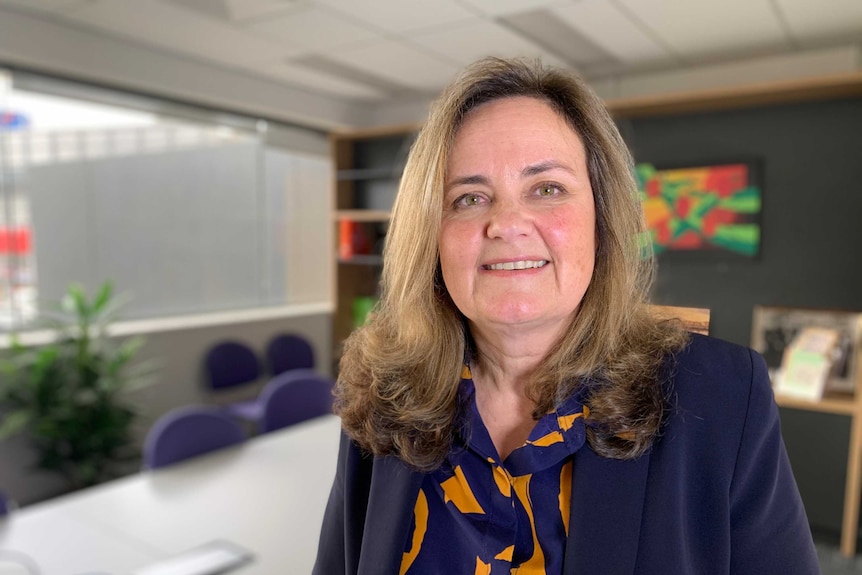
(13, 423)
(102, 297)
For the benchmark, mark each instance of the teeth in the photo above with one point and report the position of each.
(519, 265)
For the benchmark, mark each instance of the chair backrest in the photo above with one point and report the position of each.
(289, 351)
(189, 431)
(231, 363)
(295, 396)
(693, 319)
(5, 504)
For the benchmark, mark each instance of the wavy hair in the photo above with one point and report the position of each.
(397, 390)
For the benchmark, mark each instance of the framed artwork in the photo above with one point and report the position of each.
(708, 209)
(775, 330)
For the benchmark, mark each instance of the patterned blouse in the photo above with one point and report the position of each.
(477, 514)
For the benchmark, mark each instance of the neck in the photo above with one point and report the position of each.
(507, 357)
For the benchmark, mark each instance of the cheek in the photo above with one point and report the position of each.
(456, 256)
(574, 233)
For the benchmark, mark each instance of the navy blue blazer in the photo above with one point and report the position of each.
(715, 494)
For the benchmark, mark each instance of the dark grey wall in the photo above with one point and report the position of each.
(811, 158)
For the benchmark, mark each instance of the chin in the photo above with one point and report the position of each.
(520, 316)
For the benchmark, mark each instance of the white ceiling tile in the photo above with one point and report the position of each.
(469, 42)
(506, 7)
(43, 5)
(238, 10)
(698, 29)
(312, 28)
(609, 28)
(545, 29)
(208, 8)
(302, 76)
(402, 16)
(400, 63)
(833, 20)
(176, 28)
(380, 49)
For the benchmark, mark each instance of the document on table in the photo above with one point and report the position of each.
(209, 559)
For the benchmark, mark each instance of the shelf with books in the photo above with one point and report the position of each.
(363, 215)
(368, 167)
(821, 349)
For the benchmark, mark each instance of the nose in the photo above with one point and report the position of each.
(508, 220)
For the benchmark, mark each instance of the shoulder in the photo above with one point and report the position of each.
(709, 369)
(710, 356)
(713, 390)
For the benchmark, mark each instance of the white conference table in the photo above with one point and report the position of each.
(267, 495)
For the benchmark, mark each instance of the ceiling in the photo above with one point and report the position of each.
(380, 51)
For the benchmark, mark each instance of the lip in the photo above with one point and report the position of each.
(516, 261)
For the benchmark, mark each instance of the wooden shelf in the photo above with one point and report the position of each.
(363, 215)
(838, 403)
(847, 402)
(367, 168)
(376, 132)
(835, 86)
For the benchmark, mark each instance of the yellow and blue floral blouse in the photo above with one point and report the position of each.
(477, 514)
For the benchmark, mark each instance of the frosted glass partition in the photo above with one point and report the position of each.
(177, 231)
(185, 217)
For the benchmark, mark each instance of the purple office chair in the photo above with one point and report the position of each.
(189, 431)
(229, 364)
(289, 351)
(295, 396)
(6, 504)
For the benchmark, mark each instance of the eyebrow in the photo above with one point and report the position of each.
(467, 181)
(531, 170)
(542, 167)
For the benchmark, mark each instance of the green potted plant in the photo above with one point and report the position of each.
(67, 396)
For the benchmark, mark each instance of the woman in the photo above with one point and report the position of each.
(511, 406)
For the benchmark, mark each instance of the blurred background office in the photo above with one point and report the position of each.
(184, 150)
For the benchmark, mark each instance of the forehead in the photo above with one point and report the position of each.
(518, 124)
(526, 105)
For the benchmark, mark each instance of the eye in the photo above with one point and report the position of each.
(548, 190)
(468, 200)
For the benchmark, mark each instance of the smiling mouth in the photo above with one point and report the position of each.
(519, 265)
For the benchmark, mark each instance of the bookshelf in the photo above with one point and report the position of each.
(849, 405)
(367, 168)
(773, 330)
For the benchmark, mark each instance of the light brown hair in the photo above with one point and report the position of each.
(397, 390)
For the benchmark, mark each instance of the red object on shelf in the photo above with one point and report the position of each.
(15, 241)
(345, 239)
(352, 240)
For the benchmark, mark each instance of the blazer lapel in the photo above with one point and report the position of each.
(606, 511)
(392, 496)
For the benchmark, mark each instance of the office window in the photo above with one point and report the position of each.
(184, 210)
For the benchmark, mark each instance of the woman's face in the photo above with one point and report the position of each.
(517, 238)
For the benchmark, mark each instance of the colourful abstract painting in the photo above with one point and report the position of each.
(714, 207)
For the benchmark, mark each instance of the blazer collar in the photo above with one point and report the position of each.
(606, 510)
